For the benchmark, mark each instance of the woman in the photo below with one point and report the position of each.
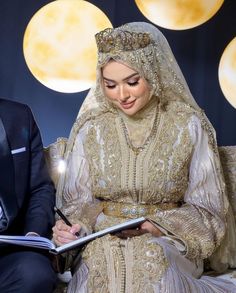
(142, 147)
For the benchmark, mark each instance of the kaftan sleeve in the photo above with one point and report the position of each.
(200, 223)
(78, 203)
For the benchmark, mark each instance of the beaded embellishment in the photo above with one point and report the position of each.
(115, 40)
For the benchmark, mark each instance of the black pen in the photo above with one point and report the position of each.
(64, 218)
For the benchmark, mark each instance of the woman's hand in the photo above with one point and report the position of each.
(63, 233)
(146, 227)
(150, 228)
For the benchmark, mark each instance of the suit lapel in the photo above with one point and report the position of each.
(7, 180)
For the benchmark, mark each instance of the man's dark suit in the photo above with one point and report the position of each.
(26, 197)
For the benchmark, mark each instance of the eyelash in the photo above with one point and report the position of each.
(110, 86)
(129, 83)
(133, 83)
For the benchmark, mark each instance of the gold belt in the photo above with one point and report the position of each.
(129, 210)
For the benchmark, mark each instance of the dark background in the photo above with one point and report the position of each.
(197, 51)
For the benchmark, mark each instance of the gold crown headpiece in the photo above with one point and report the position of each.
(113, 40)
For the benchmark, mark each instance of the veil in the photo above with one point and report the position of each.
(155, 62)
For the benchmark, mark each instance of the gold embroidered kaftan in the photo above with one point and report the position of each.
(177, 164)
(163, 160)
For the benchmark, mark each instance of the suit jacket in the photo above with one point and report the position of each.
(27, 194)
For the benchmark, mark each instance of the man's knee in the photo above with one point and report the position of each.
(37, 273)
(30, 272)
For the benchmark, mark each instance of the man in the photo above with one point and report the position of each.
(26, 201)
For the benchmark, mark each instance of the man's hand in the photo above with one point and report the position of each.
(63, 233)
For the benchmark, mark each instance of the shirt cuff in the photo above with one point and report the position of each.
(32, 234)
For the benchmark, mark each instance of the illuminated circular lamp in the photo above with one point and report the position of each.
(178, 15)
(59, 44)
(227, 72)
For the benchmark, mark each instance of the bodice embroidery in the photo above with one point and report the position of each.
(158, 172)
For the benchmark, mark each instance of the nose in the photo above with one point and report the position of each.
(123, 94)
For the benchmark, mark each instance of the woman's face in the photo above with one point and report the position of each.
(124, 87)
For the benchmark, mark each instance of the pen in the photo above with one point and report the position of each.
(64, 218)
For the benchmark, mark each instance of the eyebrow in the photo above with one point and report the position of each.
(126, 78)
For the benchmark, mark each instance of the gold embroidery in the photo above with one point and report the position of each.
(124, 210)
(159, 173)
(149, 264)
(104, 157)
(94, 257)
(168, 164)
(164, 161)
(115, 265)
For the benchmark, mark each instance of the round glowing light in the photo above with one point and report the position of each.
(59, 44)
(227, 72)
(61, 166)
(178, 14)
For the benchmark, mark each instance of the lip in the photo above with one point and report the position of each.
(127, 105)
